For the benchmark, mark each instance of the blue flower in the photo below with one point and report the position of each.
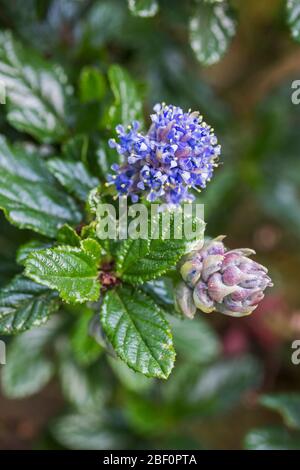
(178, 154)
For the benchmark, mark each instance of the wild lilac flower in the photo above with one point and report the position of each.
(179, 152)
(218, 279)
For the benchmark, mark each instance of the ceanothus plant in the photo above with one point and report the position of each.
(52, 187)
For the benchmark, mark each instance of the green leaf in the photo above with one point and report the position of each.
(287, 404)
(72, 271)
(275, 438)
(27, 370)
(84, 347)
(28, 194)
(85, 431)
(143, 8)
(36, 91)
(25, 304)
(68, 236)
(140, 260)
(73, 176)
(92, 85)
(293, 18)
(138, 331)
(195, 341)
(211, 29)
(127, 106)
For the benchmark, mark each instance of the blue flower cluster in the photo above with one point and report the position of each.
(178, 153)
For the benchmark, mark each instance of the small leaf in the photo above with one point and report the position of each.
(72, 271)
(36, 91)
(28, 193)
(73, 176)
(68, 236)
(293, 18)
(137, 330)
(287, 404)
(27, 371)
(275, 438)
(211, 29)
(92, 85)
(127, 106)
(143, 8)
(25, 304)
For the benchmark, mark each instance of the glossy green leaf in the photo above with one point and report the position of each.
(127, 106)
(138, 331)
(72, 271)
(73, 176)
(25, 304)
(211, 29)
(28, 193)
(92, 85)
(143, 8)
(293, 18)
(287, 404)
(36, 91)
(68, 236)
(275, 438)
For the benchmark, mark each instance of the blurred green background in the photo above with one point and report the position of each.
(218, 395)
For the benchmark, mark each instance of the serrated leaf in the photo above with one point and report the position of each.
(70, 270)
(28, 193)
(127, 106)
(287, 404)
(293, 18)
(25, 304)
(73, 176)
(36, 91)
(143, 8)
(27, 370)
(211, 29)
(68, 236)
(140, 260)
(85, 431)
(138, 331)
(272, 438)
(92, 85)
